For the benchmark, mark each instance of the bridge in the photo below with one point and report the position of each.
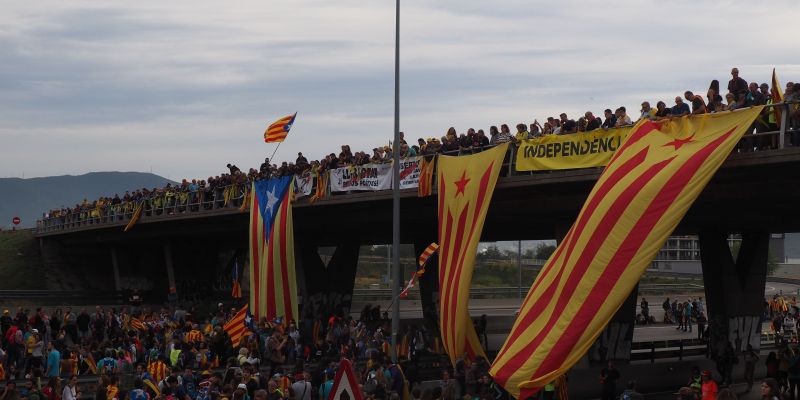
(753, 194)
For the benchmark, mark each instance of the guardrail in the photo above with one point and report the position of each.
(513, 291)
(230, 197)
(65, 297)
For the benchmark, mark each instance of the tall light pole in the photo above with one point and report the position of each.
(398, 273)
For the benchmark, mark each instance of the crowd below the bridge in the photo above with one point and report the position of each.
(229, 188)
(178, 354)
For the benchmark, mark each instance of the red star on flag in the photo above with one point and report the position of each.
(678, 143)
(461, 184)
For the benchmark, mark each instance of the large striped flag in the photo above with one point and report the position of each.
(273, 283)
(466, 184)
(279, 129)
(643, 193)
(236, 328)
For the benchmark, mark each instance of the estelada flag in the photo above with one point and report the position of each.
(279, 129)
(466, 184)
(639, 199)
(236, 328)
(273, 282)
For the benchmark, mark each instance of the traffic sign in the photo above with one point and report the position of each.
(16, 221)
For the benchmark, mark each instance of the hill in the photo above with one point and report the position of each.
(29, 198)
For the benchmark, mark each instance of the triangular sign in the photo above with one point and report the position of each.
(345, 386)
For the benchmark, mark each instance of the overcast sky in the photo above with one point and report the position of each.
(184, 87)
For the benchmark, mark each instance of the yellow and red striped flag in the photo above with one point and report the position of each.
(236, 328)
(137, 324)
(641, 196)
(426, 168)
(137, 213)
(466, 185)
(777, 96)
(321, 187)
(279, 129)
(423, 258)
(273, 281)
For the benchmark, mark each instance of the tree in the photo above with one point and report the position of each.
(491, 253)
(544, 251)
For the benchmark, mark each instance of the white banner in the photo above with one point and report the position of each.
(304, 185)
(374, 177)
(409, 172)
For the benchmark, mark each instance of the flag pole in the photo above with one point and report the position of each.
(273, 153)
(398, 273)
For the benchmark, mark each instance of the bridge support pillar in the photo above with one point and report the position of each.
(429, 288)
(615, 341)
(115, 266)
(734, 288)
(170, 270)
(328, 290)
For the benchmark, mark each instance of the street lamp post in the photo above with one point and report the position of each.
(398, 273)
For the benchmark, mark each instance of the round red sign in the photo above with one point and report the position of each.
(16, 220)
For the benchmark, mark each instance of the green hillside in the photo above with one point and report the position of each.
(21, 265)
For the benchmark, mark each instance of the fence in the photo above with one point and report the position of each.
(230, 197)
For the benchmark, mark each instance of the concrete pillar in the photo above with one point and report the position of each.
(429, 287)
(170, 269)
(341, 277)
(734, 288)
(327, 290)
(115, 266)
(615, 341)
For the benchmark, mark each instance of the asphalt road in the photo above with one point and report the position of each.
(501, 314)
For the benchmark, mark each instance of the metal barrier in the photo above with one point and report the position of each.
(170, 203)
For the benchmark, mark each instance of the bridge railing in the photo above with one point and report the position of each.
(767, 136)
(161, 205)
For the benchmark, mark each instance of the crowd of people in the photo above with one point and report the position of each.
(177, 354)
(231, 186)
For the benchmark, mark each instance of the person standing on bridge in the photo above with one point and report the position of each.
(645, 310)
(687, 316)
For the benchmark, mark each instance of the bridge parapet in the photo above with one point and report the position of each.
(231, 199)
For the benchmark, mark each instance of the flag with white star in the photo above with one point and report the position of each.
(641, 196)
(466, 184)
(273, 286)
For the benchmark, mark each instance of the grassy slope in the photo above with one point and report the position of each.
(21, 265)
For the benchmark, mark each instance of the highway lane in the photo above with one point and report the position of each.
(501, 313)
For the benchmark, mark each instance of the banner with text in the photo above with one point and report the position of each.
(304, 184)
(579, 150)
(371, 177)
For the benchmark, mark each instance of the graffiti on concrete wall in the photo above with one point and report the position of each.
(613, 344)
